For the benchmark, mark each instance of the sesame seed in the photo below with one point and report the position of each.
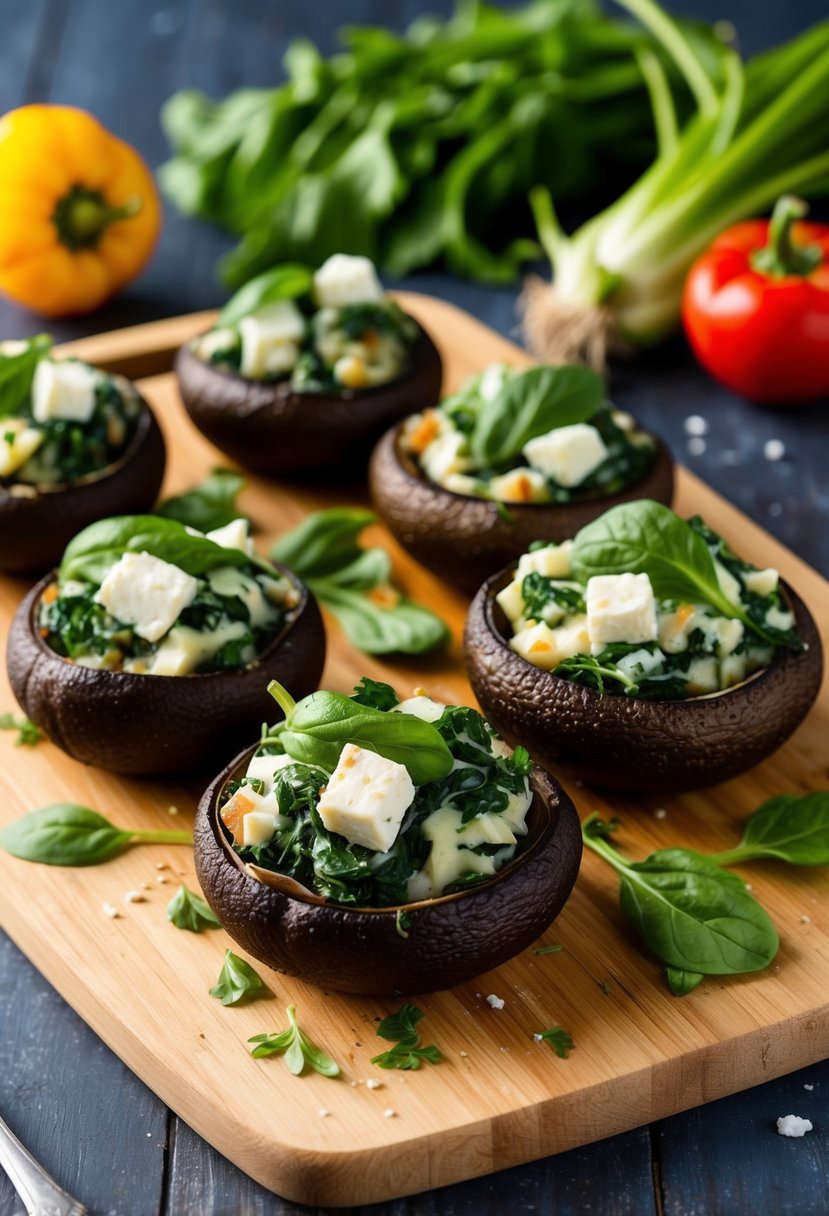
(774, 449)
(372, 1083)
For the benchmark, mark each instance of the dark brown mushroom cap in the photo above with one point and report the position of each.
(465, 539)
(36, 528)
(275, 430)
(158, 725)
(628, 744)
(447, 940)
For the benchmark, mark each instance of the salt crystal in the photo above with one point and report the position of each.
(774, 449)
(494, 1002)
(110, 910)
(696, 425)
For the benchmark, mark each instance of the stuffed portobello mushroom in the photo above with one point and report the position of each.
(511, 457)
(375, 846)
(147, 651)
(76, 444)
(304, 370)
(644, 654)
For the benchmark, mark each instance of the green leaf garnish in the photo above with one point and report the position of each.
(284, 282)
(408, 1054)
(297, 1049)
(27, 732)
(69, 835)
(560, 1041)
(786, 828)
(237, 980)
(17, 373)
(210, 505)
(189, 911)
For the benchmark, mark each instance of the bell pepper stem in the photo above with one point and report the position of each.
(82, 216)
(782, 255)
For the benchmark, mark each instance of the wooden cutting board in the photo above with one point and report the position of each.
(499, 1097)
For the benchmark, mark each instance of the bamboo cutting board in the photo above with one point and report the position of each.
(499, 1098)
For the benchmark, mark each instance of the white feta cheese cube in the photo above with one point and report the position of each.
(345, 279)
(761, 582)
(147, 593)
(215, 340)
(520, 485)
(258, 827)
(63, 391)
(366, 798)
(732, 670)
(17, 443)
(779, 618)
(725, 634)
(511, 600)
(620, 608)
(674, 628)
(568, 454)
(422, 707)
(703, 676)
(235, 535)
(445, 455)
(555, 561)
(572, 638)
(270, 339)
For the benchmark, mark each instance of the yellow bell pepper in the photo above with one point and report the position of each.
(79, 212)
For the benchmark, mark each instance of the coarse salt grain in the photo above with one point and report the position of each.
(805, 920)
(695, 424)
(389, 1113)
(494, 1002)
(324, 1113)
(160, 878)
(538, 1037)
(161, 865)
(809, 1087)
(793, 1125)
(371, 1083)
(774, 449)
(110, 910)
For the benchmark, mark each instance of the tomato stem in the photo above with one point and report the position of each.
(82, 216)
(782, 255)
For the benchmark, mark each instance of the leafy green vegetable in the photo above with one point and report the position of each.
(207, 506)
(530, 404)
(693, 915)
(17, 373)
(91, 553)
(297, 1049)
(354, 584)
(682, 982)
(560, 1041)
(418, 147)
(408, 1053)
(788, 828)
(317, 728)
(237, 980)
(189, 911)
(284, 282)
(757, 133)
(27, 732)
(645, 537)
(375, 693)
(68, 835)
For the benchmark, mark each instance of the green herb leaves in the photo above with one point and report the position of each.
(355, 584)
(284, 282)
(237, 980)
(207, 506)
(94, 550)
(317, 729)
(189, 911)
(17, 373)
(70, 835)
(297, 1049)
(789, 828)
(27, 732)
(560, 1041)
(408, 1053)
(531, 403)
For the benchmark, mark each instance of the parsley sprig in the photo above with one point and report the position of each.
(237, 979)
(560, 1041)
(189, 911)
(408, 1052)
(297, 1049)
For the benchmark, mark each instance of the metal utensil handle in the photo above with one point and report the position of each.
(41, 1195)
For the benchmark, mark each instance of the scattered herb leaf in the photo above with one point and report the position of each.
(297, 1049)
(212, 504)
(237, 979)
(69, 835)
(408, 1053)
(560, 1041)
(27, 732)
(682, 982)
(787, 828)
(189, 911)
(547, 949)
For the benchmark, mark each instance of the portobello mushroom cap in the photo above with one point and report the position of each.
(377, 951)
(465, 539)
(149, 725)
(274, 429)
(634, 745)
(38, 522)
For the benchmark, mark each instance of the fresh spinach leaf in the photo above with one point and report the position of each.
(297, 1049)
(207, 506)
(27, 732)
(682, 982)
(560, 1041)
(408, 1053)
(789, 828)
(317, 728)
(189, 911)
(387, 623)
(94, 550)
(284, 282)
(646, 537)
(69, 835)
(237, 980)
(17, 373)
(693, 915)
(531, 403)
(324, 542)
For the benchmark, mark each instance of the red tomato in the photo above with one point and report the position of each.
(756, 307)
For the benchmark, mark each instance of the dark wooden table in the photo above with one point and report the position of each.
(94, 1125)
